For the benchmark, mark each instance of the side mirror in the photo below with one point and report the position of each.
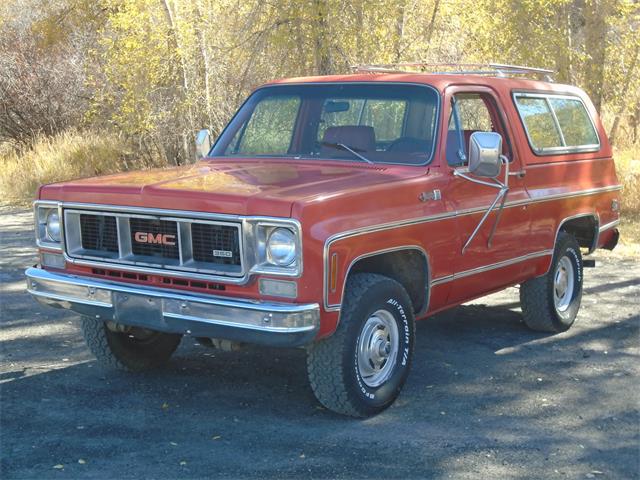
(203, 143)
(484, 154)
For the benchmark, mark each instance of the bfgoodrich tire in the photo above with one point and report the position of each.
(131, 349)
(360, 370)
(550, 303)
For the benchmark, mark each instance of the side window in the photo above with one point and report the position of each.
(270, 129)
(538, 121)
(574, 121)
(469, 114)
(556, 123)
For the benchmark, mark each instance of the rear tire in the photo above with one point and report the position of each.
(550, 303)
(360, 370)
(134, 350)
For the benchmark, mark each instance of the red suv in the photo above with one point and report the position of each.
(333, 212)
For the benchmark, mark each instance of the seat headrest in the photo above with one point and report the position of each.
(361, 138)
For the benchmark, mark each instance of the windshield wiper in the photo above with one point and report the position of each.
(342, 146)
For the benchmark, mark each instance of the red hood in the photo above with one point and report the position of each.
(238, 186)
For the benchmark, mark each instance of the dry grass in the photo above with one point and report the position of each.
(71, 154)
(628, 169)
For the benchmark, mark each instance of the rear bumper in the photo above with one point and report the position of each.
(268, 323)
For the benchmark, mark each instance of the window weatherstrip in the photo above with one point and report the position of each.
(563, 148)
(556, 122)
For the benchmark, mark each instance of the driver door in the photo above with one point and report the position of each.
(493, 258)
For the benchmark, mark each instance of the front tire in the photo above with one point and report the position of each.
(550, 303)
(360, 370)
(128, 348)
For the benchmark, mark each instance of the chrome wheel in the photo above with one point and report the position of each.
(563, 284)
(378, 348)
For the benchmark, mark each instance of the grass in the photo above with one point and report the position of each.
(68, 155)
(628, 170)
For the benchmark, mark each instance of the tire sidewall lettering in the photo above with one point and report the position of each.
(403, 355)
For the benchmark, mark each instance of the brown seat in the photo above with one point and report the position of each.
(361, 138)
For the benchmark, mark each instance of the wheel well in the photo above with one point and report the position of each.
(408, 267)
(584, 229)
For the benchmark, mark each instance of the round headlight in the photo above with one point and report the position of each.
(52, 227)
(281, 247)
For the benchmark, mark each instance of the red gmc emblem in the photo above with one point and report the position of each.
(158, 238)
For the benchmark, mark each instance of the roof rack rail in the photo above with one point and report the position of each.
(492, 69)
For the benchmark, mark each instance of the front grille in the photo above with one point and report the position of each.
(99, 232)
(155, 242)
(215, 244)
(154, 238)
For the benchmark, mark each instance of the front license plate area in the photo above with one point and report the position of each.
(138, 310)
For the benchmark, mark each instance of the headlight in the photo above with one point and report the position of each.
(52, 227)
(281, 247)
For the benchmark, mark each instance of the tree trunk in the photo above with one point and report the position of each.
(321, 38)
(399, 33)
(206, 61)
(173, 38)
(596, 13)
(624, 92)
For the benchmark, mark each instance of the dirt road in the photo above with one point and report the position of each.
(487, 398)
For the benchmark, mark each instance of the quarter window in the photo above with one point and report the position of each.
(556, 123)
(574, 122)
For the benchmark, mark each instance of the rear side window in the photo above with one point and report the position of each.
(574, 122)
(556, 124)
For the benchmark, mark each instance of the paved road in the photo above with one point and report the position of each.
(486, 398)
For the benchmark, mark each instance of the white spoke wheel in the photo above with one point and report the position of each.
(550, 303)
(378, 348)
(563, 284)
(360, 369)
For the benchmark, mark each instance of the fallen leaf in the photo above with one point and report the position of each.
(183, 463)
(216, 437)
(82, 461)
(165, 405)
(302, 456)
(173, 443)
(58, 466)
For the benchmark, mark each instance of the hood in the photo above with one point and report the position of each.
(241, 186)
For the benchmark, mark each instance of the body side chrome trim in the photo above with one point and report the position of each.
(596, 219)
(417, 248)
(492, 266)
(431, 218)
(608, 226)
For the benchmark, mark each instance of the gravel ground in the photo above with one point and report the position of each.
(487, 398)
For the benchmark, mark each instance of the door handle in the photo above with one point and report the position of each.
(519, 174)
(433, 195)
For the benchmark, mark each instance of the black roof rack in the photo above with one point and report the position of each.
(490, 69)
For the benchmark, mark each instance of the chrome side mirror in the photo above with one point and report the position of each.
(485, 149)
(203, 143)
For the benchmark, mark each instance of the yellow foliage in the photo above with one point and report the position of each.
(71, 154)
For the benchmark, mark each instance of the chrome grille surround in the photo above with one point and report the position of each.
(252, 241)
(178, 257)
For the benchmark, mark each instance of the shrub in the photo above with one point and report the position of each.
(65, 156)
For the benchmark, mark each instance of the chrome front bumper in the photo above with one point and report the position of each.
(269, 323)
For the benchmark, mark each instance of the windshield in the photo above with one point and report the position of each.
(376, 123)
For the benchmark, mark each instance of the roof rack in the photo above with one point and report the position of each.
(491, 69)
